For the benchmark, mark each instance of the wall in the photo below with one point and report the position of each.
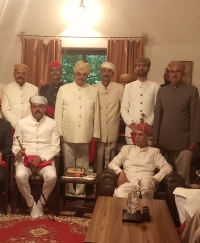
(172, 27)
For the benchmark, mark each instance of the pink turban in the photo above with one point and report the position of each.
(145, 128)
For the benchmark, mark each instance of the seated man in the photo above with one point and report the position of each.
(5, 148)
(139, 164)
(40, 137)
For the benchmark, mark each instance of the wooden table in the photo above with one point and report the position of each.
(106, 225)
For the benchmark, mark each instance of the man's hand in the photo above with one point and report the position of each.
(156, 182)
(35, 162)
(192, 146)
(132, 127)
(122, 178)
(21, 153)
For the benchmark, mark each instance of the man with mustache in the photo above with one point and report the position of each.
(176, 121)
(41, 142)
(110, 95)
(139, 98)
(50, 90)
(16, 95)
(77, 114)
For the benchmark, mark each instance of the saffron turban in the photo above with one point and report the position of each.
(38, 99)
(21, 68)
(127, 77)
(82, 66)
(177, 64)
(145, 128)
(108, 65)
(143, 60)
(55, 65)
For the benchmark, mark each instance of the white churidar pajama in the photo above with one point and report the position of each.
(139, 164)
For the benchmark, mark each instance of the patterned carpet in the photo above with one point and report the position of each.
(65, 229)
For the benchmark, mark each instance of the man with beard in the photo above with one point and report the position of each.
(16, 95)
(110, 95)
(77, 114)
(50, 90)
(176, 123)
(41, 142)
(139, 99)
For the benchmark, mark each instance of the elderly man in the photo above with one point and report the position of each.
(176, 123)
(5, 148)
(126, 79)
(110, 95)
(41, 142)
(77, 114)
(50, 90)
(139, 99)
(139, 163)
(15, 96)
(1, 87)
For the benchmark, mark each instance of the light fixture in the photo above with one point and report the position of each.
(81, 4)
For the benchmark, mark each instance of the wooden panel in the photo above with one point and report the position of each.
(107, 226)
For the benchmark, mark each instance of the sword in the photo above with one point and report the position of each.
(33, 174)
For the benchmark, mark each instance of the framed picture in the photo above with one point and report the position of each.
(188, 72)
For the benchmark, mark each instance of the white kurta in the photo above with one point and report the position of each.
(77, 113)
(110, 101)
(1, 87)
(38, 138)
(15, 101)
(138, 98)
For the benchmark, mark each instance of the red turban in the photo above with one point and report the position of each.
(55, 65)
(145, 128)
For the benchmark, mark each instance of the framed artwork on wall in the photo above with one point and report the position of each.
(188, 72)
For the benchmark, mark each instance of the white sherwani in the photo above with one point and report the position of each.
(139, 164)
(15, 101)
(38, 138)
(138, 98)
(1, 87)
(77, 113)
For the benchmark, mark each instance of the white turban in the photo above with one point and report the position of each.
(108, 65)
(38, 99)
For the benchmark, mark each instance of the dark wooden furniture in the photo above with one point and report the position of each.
(80, 204)
(32, 182)
(107, 226)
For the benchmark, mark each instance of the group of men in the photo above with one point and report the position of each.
(82, 113)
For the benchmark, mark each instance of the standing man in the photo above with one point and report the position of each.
(166, 78)
(139, 99)
(41, 141)
(16, 95)
(110, 95)
(177, 119)
(126, 79)
(49, 91)
(77, 114)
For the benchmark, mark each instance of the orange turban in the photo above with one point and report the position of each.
(21, 68)
(145, 128)
(127, 77)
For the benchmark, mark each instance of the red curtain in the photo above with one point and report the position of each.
(123, 54)
(37, 55)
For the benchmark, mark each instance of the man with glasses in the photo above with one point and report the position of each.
(77, 114)
(176, 121)
(139, 99)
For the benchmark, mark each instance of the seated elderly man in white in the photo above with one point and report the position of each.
(41, 142)
(139, 163)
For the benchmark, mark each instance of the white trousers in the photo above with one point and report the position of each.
(181, 160)
(146, 187)
(103, 153)
(22, 176)
(75, 154)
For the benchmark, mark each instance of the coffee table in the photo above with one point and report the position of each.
(106, 225)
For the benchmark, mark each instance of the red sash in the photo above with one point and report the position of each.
(92, 150)
(41, 165)
(3, 163)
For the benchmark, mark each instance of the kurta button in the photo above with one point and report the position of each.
(79, 97)
(80, 106)
(79, 126)
(140, 94)
(79, 116)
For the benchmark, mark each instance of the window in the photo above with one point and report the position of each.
(93, 56)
